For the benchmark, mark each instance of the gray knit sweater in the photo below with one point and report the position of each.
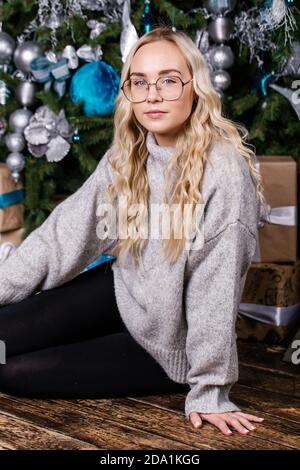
(183, 315)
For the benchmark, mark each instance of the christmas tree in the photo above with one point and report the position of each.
(61, 61)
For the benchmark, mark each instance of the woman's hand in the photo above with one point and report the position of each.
(238, 420)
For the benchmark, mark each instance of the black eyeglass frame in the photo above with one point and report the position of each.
(155, 83)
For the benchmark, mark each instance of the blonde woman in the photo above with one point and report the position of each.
(160, 318)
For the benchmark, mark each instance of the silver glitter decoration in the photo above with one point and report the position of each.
(47, 134)
(251, 31)
(52, 13)
(279, 14)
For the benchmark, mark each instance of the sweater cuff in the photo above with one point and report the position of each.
(212, 400)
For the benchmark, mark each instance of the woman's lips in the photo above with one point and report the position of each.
(155, 114)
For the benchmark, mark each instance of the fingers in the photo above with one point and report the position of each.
(221, 424)
(195, 419)
(237, 424)
(237, 420)
(247, 423)
(250, 417)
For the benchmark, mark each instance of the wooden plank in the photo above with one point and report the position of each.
(281, 417)
(132, 424)
(20, 434)
(261, 366)
(266, 357)
(68, 418)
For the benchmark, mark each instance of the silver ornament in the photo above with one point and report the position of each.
(202, 43)
(89, 53)
(3, 126)
(292, 66)
(15, 161)
(54, 20)
(4, 93)
(220, 29)
(25, 93)
(14, 141)
(96, 27)
(221, 79)
(221, 57)
(46, 134)
(219, 6)
(25, 53)
(19, 119)
(220, 94)
(69, 53)
(16, 176)
(7, 47)
(290, 95)
(129, 35)
(51, 56)
(57, 149)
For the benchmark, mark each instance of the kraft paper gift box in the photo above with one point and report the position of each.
(277, 239)
(270, 304)
(11, 196)
(9, 241)
(14, 236)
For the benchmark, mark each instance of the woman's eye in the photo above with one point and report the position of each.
(138, 82)
(168, 80)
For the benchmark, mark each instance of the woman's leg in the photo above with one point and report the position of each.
(109, 366)
(70, 342)
(82, 308)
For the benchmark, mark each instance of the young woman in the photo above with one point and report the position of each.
(160, 318)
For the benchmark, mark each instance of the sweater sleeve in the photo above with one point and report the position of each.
(218, 273)
(62, 246)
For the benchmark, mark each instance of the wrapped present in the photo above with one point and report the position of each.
(9, 241)
(270, 304)
(277, 239)
(11, 196)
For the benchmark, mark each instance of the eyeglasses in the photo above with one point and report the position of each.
(168, 88)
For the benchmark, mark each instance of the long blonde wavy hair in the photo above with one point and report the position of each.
(129, 154)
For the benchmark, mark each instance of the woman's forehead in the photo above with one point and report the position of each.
(157, 62)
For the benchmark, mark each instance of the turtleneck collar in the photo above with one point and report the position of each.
(158, 152)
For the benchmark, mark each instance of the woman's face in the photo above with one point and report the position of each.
(150, 60)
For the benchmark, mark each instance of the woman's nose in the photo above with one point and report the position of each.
(153, 93)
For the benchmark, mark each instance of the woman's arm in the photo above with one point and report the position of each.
(212, 298)
(216, 274)
(62, 246)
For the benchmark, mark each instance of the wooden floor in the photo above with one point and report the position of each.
(267, 387)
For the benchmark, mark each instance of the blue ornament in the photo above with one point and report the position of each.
(96, 85)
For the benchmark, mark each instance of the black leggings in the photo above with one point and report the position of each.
(70, 342)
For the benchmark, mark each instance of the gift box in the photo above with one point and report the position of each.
(14, 236)
(277, 239)
(270, 304)
(11, 196)
(9, 241)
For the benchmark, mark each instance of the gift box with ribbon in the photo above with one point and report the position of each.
(9, 241)
(270, 305)
(11, 197)
(277, 238)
